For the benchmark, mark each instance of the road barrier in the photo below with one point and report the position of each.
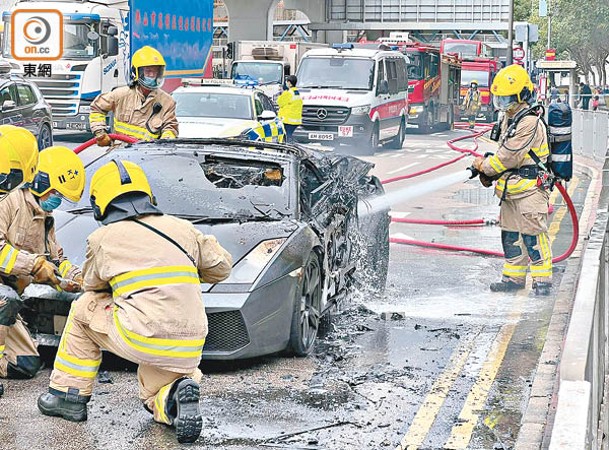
(581, 420)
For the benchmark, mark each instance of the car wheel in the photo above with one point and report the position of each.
(374, 141)
(307, 306)
(397, 142)
(45, 137)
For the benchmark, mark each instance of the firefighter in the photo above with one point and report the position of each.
(472, 103)
(142, 109)
(519, 165)
(290, 107)
(18, 157)
(30, 253)
(142, 301)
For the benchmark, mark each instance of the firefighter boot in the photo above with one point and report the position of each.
(70, 405)
(506, 286)
(542, 288)
(1, 389)
(183, 409)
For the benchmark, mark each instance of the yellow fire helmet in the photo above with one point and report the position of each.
(511, 85)
(147, 57)
(18, 157)
(62, 170)
(114, 179)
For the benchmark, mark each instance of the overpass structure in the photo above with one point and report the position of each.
(337, 20)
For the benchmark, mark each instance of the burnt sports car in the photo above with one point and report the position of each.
(298, 222)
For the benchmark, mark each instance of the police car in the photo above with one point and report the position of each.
(219, 109)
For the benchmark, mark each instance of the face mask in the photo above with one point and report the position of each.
(51, 203)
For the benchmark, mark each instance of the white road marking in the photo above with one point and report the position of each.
(401, 236)
(408, 166)
(399, 214)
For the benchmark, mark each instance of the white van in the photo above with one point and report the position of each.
(353, 95)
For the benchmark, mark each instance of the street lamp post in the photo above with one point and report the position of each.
(509, 56)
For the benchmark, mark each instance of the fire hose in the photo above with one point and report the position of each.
(476, 222)
(114, 137)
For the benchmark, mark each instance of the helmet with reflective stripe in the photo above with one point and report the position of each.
(511, 85)
(143, 58)
(18, 157)
(113, 180)
(62, 170)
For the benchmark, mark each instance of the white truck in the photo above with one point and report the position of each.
(267, 63)
(99, 37)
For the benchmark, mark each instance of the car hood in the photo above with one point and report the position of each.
(206, 127)
(237, 238)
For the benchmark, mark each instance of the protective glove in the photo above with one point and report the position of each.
(70, 285)
(485, 180)
(44, 272)
(103, 140)
(477, 164)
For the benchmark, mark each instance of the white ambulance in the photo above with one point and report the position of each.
(355, 94)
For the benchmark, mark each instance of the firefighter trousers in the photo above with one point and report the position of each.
(19, 356)
(79, 356)
(524, 238)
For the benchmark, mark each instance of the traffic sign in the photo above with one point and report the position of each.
(518, 53)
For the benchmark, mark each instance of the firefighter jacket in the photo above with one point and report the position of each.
(472, 101)
(290, 107)
(26, 232)
(158, 312)
(513, 153)
(270, 131)
(134, 114)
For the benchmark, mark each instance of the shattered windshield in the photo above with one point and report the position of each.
(210, 187)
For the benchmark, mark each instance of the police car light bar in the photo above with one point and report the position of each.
(346, 46)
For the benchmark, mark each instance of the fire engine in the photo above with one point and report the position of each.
(483, 71)
(433, 87)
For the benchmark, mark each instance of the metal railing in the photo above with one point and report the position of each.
(581, 421)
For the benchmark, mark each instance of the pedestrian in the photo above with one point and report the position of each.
(595, 103)
(142, 302)
(554, 93)
(567, 96)
(520, 184)
(585, 95)
(290, 107)
(18, 157)
(141, 110)
(30, 253)
(472, 103)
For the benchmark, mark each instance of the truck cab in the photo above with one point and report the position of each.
(355, 96)
(482, 70)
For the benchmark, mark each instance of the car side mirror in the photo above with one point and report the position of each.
(112, 46)
(8, 105)
(267, 115)
(384, 87)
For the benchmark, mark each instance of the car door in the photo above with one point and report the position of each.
(26, 105)
(393, 102)
(9, 116)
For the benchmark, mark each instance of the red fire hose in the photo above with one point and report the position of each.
(465, 152)
(114, 137)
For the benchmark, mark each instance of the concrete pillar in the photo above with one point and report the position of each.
(250, 19)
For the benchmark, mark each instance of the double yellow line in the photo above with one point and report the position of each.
(461, 432)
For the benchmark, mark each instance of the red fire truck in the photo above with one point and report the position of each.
(483, 71)
(433, 87)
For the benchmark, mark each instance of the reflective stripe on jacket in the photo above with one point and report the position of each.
(290, 107)
(510, 155)
(159, 315)
(132, 111)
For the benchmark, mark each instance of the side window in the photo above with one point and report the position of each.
(26, 95)
(258, 105)
(267, 104)
(392, 75)
(5, 94)
(402, 79)
(435, 61)
(380, 76)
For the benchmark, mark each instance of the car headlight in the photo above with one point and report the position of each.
(416, 109)
(361, 110)
(248, 269)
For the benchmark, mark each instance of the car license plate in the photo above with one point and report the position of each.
(76, 126)
(321, 136)
(345, 131)
(412, 125)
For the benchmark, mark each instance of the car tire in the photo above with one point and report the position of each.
(374, 140)
(397, 142)
(45, 137)
(306, 315)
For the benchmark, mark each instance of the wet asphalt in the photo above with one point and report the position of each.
(437, 361)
